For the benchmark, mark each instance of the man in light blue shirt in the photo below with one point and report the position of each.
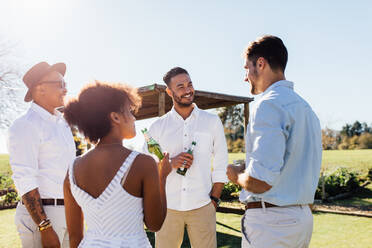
(283, 154)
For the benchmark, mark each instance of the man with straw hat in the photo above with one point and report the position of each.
(41, 147)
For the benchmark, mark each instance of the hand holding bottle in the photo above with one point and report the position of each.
(183, 169)
(183, 159)
(164, 166)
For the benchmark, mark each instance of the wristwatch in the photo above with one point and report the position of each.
(216, 200)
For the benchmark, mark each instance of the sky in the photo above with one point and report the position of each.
(136, 42)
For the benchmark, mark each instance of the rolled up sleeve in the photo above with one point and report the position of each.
(267, 134)
(23, 146)
(220, 154)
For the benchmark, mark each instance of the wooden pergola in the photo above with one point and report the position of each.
(156, 102)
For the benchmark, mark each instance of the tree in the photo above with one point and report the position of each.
(11, 93)
(366, 128)
(356, 129)
(365, 141)
(80, 144)
(232, 118)
(329, 139)
(346, 131)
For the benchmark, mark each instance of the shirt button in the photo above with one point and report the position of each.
(185, 135)
(184, 189)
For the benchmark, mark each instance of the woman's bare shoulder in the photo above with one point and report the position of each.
(144, 163)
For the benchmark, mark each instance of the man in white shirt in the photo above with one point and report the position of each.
(41, 147)
(283, 154)
(192, 198)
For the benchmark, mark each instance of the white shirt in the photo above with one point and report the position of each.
(283, 147)
(41, 147)
(175, 135)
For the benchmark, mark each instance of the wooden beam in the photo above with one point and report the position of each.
(216, 104)
(161, 110)
(225, 97)
(246, 116)
(143, 117)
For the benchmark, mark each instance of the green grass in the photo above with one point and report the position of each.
(361, 199)
(330, 231)
(8, 234)
(341, 231)
(4, 164)
(355, 160)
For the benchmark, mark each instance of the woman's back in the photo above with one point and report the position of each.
(115, 212)
(114, 216)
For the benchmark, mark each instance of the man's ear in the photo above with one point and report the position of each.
(38, 90)
(261, 63)
(115, 117)
(169, 92)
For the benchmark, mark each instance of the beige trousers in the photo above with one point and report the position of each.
(200, 225)
(28, 231)
(279, 227)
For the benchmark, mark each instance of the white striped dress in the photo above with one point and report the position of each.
(115, 218)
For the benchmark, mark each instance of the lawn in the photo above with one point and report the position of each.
(330, 231)
(4, 164)
(355, 160)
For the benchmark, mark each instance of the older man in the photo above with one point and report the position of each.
(41, 147)
(284, 150)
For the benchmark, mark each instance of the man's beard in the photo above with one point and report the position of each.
(179, 102)
(253, 87)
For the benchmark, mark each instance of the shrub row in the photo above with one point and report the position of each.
(337, 182)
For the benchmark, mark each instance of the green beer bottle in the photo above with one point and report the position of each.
(152, 145)
(182, 170)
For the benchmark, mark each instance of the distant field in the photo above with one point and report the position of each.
(4, 164)
(356, 160)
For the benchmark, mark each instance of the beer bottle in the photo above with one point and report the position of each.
(182, 170)
(152, 145)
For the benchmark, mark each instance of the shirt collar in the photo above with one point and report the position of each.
(43, 113)
(280, 83)
(194, 114)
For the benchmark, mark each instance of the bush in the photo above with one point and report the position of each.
(365, 141)
(230, 191)
(338, 182)
(6, 182)
(369, 175)
(10, 197)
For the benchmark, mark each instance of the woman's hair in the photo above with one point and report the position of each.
(90, 111)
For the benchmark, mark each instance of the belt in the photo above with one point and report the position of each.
(51, 202)
(250, 205)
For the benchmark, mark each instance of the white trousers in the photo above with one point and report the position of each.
(28, 230)
(277, 227)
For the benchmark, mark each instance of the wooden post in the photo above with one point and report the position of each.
(322, 177)
(161, 110)
(246, 116)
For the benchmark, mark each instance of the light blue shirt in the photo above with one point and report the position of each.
(283, 147)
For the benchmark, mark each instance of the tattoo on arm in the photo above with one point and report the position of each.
(32, 201)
